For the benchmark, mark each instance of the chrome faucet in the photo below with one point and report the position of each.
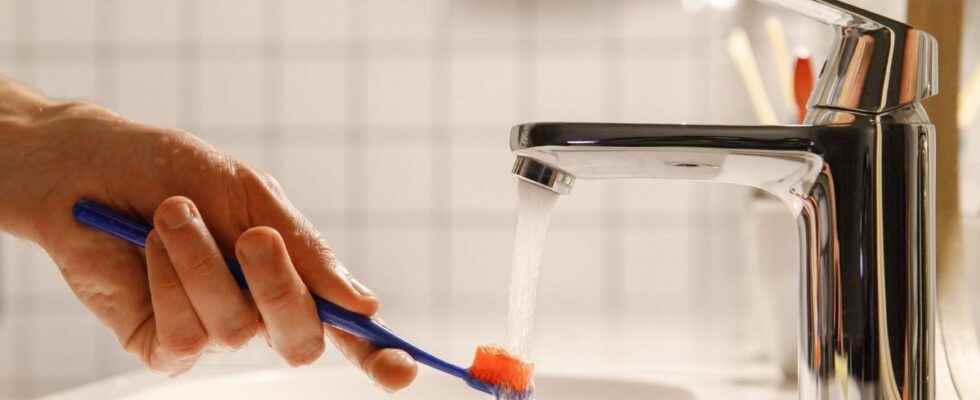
(859, 175)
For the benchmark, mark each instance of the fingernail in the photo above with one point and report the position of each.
(256, 248)
(360, 288)
(357, 285)
(341, 269)
(177, 216)
(153, 238)
(183, 368)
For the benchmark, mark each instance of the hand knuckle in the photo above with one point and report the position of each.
(304, 353)
(185, 343)
(254, 178)
(158, 368)
(206, 264)
(239, 332)
(72, 108)
(75, 113)
(166, 284)
(271, 182)
(282, 296)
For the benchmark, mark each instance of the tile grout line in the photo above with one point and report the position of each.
(355, 157)
(611, 205)
(697, 240)
(441, 238)
(25, 59)
(238, 50)
(189, 58)
(106, 67)
(271, 87)
(527, 61)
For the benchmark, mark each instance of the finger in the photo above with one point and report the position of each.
(393, 369)
(313, 259)
(286, 306)
(222, 308)
(180, 335)
(158, 358)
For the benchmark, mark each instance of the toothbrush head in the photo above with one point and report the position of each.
(509, 375)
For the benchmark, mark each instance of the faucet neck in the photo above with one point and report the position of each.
(876, 71)
(876, 64)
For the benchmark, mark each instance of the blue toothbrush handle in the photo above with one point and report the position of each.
(121, 226)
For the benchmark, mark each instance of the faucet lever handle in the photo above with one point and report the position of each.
(877, 64)
(836, 12)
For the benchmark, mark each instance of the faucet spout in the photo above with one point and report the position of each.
(781, 160)
(543, 175)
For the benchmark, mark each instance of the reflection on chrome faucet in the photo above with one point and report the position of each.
(859, 176)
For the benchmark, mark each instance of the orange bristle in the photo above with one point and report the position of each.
(497, 367)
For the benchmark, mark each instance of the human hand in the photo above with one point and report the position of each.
(170, 303)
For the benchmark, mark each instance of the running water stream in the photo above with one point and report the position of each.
(534, 207)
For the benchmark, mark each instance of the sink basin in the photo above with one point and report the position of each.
(347, 383)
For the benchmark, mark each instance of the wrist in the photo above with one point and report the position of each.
(20, 141)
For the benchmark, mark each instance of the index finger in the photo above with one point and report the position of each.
(391, 368)
(312, 257)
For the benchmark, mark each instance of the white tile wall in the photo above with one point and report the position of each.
(314, 20)
(397, 265)
(154, 101)
(654, 82)
(311, 171)
(477, 181)
(659, 20)
(314, 92)
(568, 20)
(231, 20)
(397, 86)
(483, 21)
(569, 84)
(7, 22)
(63, 22)
(387, 123)
(400, 177)
(231, 92)
(65, 79)
(660, 276)
(481, 271)
(483, 87)
(572, 272)
(143, 21)
(385, 20)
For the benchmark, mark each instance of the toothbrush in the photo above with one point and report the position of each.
(740, 51)
(781, 58)
(494, 371)
(802, 82)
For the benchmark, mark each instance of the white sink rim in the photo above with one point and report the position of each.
(129, 385)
